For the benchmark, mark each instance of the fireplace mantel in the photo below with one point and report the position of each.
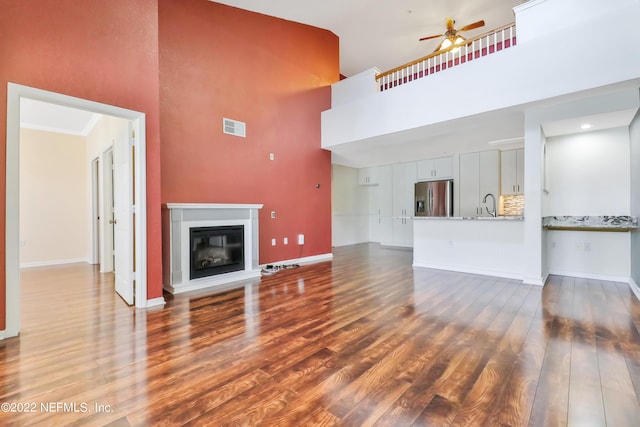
(178, 218)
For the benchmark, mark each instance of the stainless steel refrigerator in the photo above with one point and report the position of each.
(434, 198)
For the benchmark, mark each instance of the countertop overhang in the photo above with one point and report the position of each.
(471, 218)
(608, 223)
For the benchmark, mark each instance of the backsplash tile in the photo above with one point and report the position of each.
(512, 204)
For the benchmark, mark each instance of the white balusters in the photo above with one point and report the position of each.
(441, 60)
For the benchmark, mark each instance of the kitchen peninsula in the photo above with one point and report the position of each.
(481, 245)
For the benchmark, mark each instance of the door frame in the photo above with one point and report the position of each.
(12, 202)
(106, 211)
(95, 210)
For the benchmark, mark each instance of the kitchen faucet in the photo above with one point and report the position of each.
(493, 198)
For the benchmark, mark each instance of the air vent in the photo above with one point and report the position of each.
(234, 127)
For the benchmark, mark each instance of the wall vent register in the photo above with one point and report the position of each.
(234, 127)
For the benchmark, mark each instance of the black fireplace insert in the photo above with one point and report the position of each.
(216, 250)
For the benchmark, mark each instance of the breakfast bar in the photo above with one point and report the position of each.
(482, 245)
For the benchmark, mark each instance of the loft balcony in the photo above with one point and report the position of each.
(453, 102)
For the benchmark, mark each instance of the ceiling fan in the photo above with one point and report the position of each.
(452, 35)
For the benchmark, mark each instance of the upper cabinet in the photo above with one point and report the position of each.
(479, 177)
(368, 176)
(433, 169)
(512, 171)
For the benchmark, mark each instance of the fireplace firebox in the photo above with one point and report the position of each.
(216, 250)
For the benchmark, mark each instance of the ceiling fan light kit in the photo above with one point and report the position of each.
(452, 36)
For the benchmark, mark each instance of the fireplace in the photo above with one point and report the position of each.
(209, 245)
(216, 250)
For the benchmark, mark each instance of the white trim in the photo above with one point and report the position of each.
(302, 261)
(397, 245)
(220, 281)
(94, 168)
(634, 287)
(536, 281)
(155, 302)
(212, 206)
(481, 272)
(139, 127)
(54, 262)
(12, 279)
(583, 275)
(178, 251)
(12, 236)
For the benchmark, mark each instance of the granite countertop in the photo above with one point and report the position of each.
(591, 223)
(478, 218)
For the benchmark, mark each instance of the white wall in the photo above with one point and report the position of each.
(102, 135)
(53, 199)
(350, 207)
(634, 137)
(589, 175)
(535, 70)
(590, 254)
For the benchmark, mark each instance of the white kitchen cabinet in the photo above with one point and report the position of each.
(404, 179)
(479, 176)
(380, 206)
(512, 171)
(368, 176)
(433, 169)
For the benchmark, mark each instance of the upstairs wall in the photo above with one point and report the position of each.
(543, 65)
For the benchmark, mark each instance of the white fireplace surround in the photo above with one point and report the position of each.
(179, 218)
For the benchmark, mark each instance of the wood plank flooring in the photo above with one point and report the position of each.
(362, 340)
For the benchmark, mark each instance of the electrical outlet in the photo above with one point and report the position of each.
(273, 214)
(273, 242)
(272, 156)
(286, 240)
(301, 239)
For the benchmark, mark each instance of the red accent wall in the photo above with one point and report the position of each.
(104, 51)
(186, 64)
(218, 61)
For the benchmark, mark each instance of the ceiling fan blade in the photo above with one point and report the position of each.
(430, 37)
(472, 26)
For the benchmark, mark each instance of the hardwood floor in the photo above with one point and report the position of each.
(362, 340)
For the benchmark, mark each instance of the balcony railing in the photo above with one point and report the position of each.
(485, 44)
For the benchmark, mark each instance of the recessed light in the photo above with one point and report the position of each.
(585, 126)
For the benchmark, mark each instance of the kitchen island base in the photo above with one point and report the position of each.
(487, 246)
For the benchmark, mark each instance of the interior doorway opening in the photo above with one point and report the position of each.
(136, 212)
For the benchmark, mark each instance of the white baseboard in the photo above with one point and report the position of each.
(634, 287)
(53, 262)
(536, 281)
(155, 302)
(306, 260)
(592, 276)
(397, 245)
(481, 272)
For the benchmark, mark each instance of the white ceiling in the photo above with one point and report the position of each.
(56, 118)
(384, 34)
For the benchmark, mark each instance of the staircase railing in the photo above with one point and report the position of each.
(482, 45)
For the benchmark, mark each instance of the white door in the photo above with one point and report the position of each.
(123, 215)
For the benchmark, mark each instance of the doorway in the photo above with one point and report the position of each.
(138, 259)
